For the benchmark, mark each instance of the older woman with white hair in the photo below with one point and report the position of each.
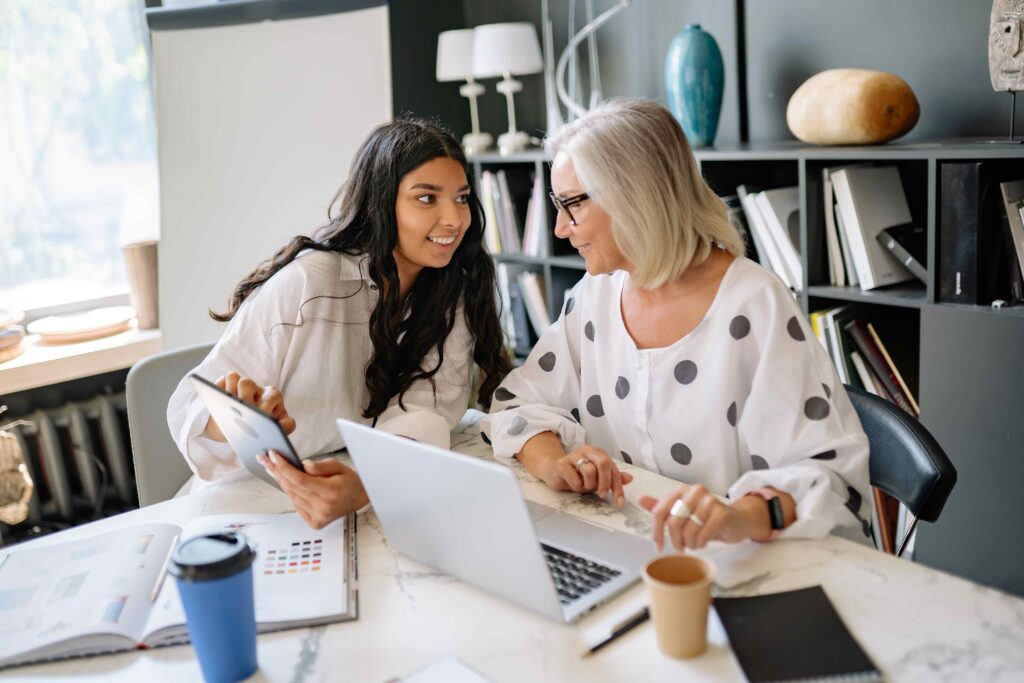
(676, 354)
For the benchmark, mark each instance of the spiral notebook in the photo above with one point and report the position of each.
(793, 636)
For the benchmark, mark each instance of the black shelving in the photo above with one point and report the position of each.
(905, 295)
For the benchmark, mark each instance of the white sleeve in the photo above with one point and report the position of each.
(253, 345)
(428, 417)
(542, 395)
(800, 431)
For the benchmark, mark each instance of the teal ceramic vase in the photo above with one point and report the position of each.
(694, 80)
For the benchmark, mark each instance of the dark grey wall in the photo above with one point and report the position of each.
(978, 534)
(940, 47)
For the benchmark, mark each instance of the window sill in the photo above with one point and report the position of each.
(45, 364)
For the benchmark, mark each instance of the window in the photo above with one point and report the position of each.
(78, 174)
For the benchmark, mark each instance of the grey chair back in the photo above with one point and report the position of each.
(160, 469)
(906, 461)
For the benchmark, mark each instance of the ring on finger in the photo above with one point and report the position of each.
(680, 509)
(581, 462)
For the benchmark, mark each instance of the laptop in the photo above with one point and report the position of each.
(467, 517)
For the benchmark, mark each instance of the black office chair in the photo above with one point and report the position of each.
(906, 461)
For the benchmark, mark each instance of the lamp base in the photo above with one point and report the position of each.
(474, 143)
(512, 142)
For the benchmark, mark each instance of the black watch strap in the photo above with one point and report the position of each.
(778, 519)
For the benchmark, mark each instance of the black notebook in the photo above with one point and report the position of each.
(793, 636)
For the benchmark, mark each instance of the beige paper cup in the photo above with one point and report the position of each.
(680, 590)
(140, 261)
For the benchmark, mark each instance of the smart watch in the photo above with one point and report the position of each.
(776, 517)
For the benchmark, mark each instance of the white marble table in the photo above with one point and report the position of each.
(917, 624)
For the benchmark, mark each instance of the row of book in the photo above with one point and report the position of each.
(773, 223)
(524, 311)
(875, 350)
(504, 233)
(871, 349)
(870, 239)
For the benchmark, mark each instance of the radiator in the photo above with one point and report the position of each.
(78, 456)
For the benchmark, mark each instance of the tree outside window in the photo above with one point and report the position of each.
(78, 173)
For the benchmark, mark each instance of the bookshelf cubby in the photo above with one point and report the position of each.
(969, 374)
(563, 268)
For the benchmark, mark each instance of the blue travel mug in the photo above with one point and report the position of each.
(214, 574)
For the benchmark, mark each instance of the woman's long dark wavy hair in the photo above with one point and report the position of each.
(403, 330)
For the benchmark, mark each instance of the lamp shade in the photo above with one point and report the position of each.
(455, 55)
(510, 48)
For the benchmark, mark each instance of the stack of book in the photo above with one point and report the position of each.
(524, 313)
(873, 350)
(871, 238)
(503, 232)
(773, 217)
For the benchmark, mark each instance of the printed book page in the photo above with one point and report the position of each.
(89, 594)
(299, 575)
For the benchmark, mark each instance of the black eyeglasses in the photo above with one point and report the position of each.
(565, 204)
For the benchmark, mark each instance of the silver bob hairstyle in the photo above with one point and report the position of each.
(632, 158)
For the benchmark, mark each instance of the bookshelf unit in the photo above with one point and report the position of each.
(969, 379)
(970, 359)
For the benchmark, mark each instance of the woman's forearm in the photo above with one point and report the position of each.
(755, 513)
(540, 453)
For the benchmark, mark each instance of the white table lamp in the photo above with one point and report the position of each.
(507, 50)
(455, 63)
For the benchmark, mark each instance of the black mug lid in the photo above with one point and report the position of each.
(211, 556)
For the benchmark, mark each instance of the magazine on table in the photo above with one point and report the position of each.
(111, 592)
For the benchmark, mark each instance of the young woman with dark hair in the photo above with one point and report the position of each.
(379, 317)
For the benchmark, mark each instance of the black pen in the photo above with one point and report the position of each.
(634, 621)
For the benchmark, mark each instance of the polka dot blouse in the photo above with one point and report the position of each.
(747, 399)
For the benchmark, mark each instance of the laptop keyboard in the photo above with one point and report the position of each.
(575, 576)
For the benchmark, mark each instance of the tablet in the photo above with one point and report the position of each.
(249, 430)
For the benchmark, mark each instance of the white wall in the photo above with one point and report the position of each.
(256, 125)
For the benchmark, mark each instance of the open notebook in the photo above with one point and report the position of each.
(107, 593)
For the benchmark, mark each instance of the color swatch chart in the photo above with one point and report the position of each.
(299, 557)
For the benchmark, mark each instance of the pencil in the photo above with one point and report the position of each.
(163, 570)
(631, 623)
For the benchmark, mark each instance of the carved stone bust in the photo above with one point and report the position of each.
(1006, 45)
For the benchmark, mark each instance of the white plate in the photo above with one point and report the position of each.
(92, 324)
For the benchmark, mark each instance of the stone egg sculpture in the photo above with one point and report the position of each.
(852, 107)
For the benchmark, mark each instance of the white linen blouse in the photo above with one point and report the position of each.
(747, 399)
(305, 331)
